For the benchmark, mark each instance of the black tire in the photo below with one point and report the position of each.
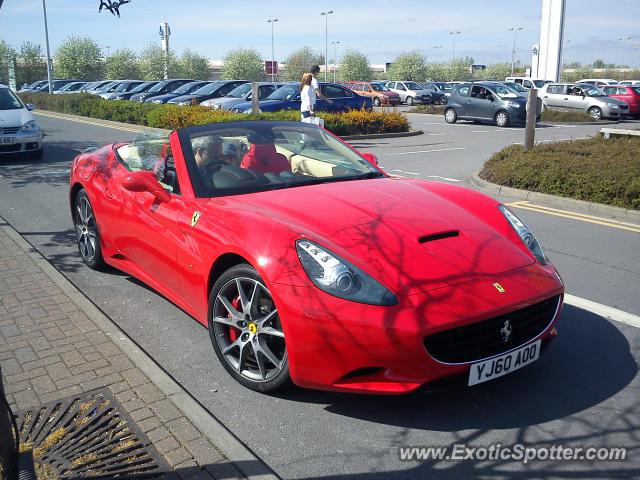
(595, 112)
(376, 102)
(87, 231)
(239, 325)
(444, 100)
(36, 154)
(450, 115)
(502, 119)
(409, 101)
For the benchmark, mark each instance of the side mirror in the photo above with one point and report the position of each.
(30, 106)
(145, 181)
(371, 158)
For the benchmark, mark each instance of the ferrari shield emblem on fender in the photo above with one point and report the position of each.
(195, 217)
(499, 287)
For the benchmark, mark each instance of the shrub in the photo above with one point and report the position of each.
(433, 109)
(353, 122)
(558, 116)
(594, 170)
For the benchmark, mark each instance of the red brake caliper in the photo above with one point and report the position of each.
(234, 333)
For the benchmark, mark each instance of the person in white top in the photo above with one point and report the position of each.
(307, 96)
(315, 70)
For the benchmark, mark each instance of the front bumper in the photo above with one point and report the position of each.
(335, 344)
(24, 142)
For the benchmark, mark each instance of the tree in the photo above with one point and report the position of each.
(193, 65)
(599, 64)
(355, 66)
(243, 64)
(7, 54)
(122, 64)
(79, 57)
(409, 66)
(498, 71)
(437, 72)
(152, 61)
(300, 62)
(31, 63)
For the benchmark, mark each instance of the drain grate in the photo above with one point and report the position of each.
(88, 436)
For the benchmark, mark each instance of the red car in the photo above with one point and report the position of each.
(627, 93)
(377, 91)
(317, 267)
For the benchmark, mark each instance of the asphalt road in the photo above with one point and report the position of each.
(583, 391)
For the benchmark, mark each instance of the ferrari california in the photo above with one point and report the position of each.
(310, 265)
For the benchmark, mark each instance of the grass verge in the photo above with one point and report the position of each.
(594, 170)
(558, 116)
(432, 109)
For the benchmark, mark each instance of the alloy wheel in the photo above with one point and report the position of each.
(86, 230)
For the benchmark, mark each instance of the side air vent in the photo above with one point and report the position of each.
(438, 236)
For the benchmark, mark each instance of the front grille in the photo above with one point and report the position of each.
(483, 339)
(624, 107)
(9, 130)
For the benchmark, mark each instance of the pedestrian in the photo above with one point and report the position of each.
(307, 97)
(315, 70)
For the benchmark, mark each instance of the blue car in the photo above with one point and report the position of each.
(288, 98)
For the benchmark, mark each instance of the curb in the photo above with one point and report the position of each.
(132, 127)
(223, 439)
(604, 122)
(555, 201)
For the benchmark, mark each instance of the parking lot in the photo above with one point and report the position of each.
(583, 391)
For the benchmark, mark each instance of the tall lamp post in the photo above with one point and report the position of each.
(326, 40)
(565, 56)
(453, 53)
(622, 39)
(46, 36)
(515, 31)
(107, 47)
(637, 47)
(273, 69)
(335, 58)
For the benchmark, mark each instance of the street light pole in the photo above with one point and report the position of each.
(637, 47)
(335, 58)
(46, 36)
(453, 54)
(622, 39)
(272, 21)
(513, 50)
(326, 40)
(565, 55)
(107, 47)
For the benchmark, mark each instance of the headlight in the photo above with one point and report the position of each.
(613, 105)
(514, 104)
(525, 234)
(31, 126)
(338, 277)
(156, 101)
(249, 110)
(216, 106)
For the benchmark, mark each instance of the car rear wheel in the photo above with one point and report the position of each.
(376, 102)
(87, 232)
(409, 101)
(450, 115)
(246, 331)
(595, 112)
(502, 119)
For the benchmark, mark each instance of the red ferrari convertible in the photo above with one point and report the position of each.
(311, 265)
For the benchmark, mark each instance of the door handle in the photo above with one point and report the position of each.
(566, 98)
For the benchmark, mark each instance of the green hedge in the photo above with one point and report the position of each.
(354, 122)
(432, 109)
(594, 170)
(558, 116)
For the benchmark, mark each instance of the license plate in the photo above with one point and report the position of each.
(499, 366)
(4, 140)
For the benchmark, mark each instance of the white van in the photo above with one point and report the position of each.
(528, 82)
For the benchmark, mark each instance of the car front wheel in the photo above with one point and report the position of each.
(450, 115)
(246, 331)
(409, 101)
(87, 232)
(596, 113)
(376, 102)
(502, 119)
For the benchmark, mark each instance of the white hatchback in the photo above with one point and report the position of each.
(20, 132)
(410, 92)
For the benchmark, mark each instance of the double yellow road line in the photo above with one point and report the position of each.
(525, 205)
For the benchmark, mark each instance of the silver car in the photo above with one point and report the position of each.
(240, 94)
(410, 92)
(20, 132)
(587, 98)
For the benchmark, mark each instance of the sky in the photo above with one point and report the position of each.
(373, 27)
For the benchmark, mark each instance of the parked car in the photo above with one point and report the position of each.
(94, 85)
(55, 85)
(73, 87)
(528, 82)
(102, 87)
(183, 90)
(160, 88)
(142, 88)
(288, 98)
(487, 101)
(308, 264)
(33, 86)
(598, 81)
(216, 89)
(410, 92)
(240, 94)
(582, 98)
(123, 86)
(630, 82)
(438, 97)
(378, 92)
(20, 132)
(628, 94)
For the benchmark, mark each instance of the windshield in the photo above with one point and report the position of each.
(107, 86)
(285, 93)
(540, 83)
(240, 91)
(378, 87)
(247, 157)
(9, 101)
(156, 88)
(413, 86)
(187, 88)
(636, 89)
(445, 86)
(516, 87)
(208, 88)
(503, 91)
(592, 91)
(142, 87)
(122, 87)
